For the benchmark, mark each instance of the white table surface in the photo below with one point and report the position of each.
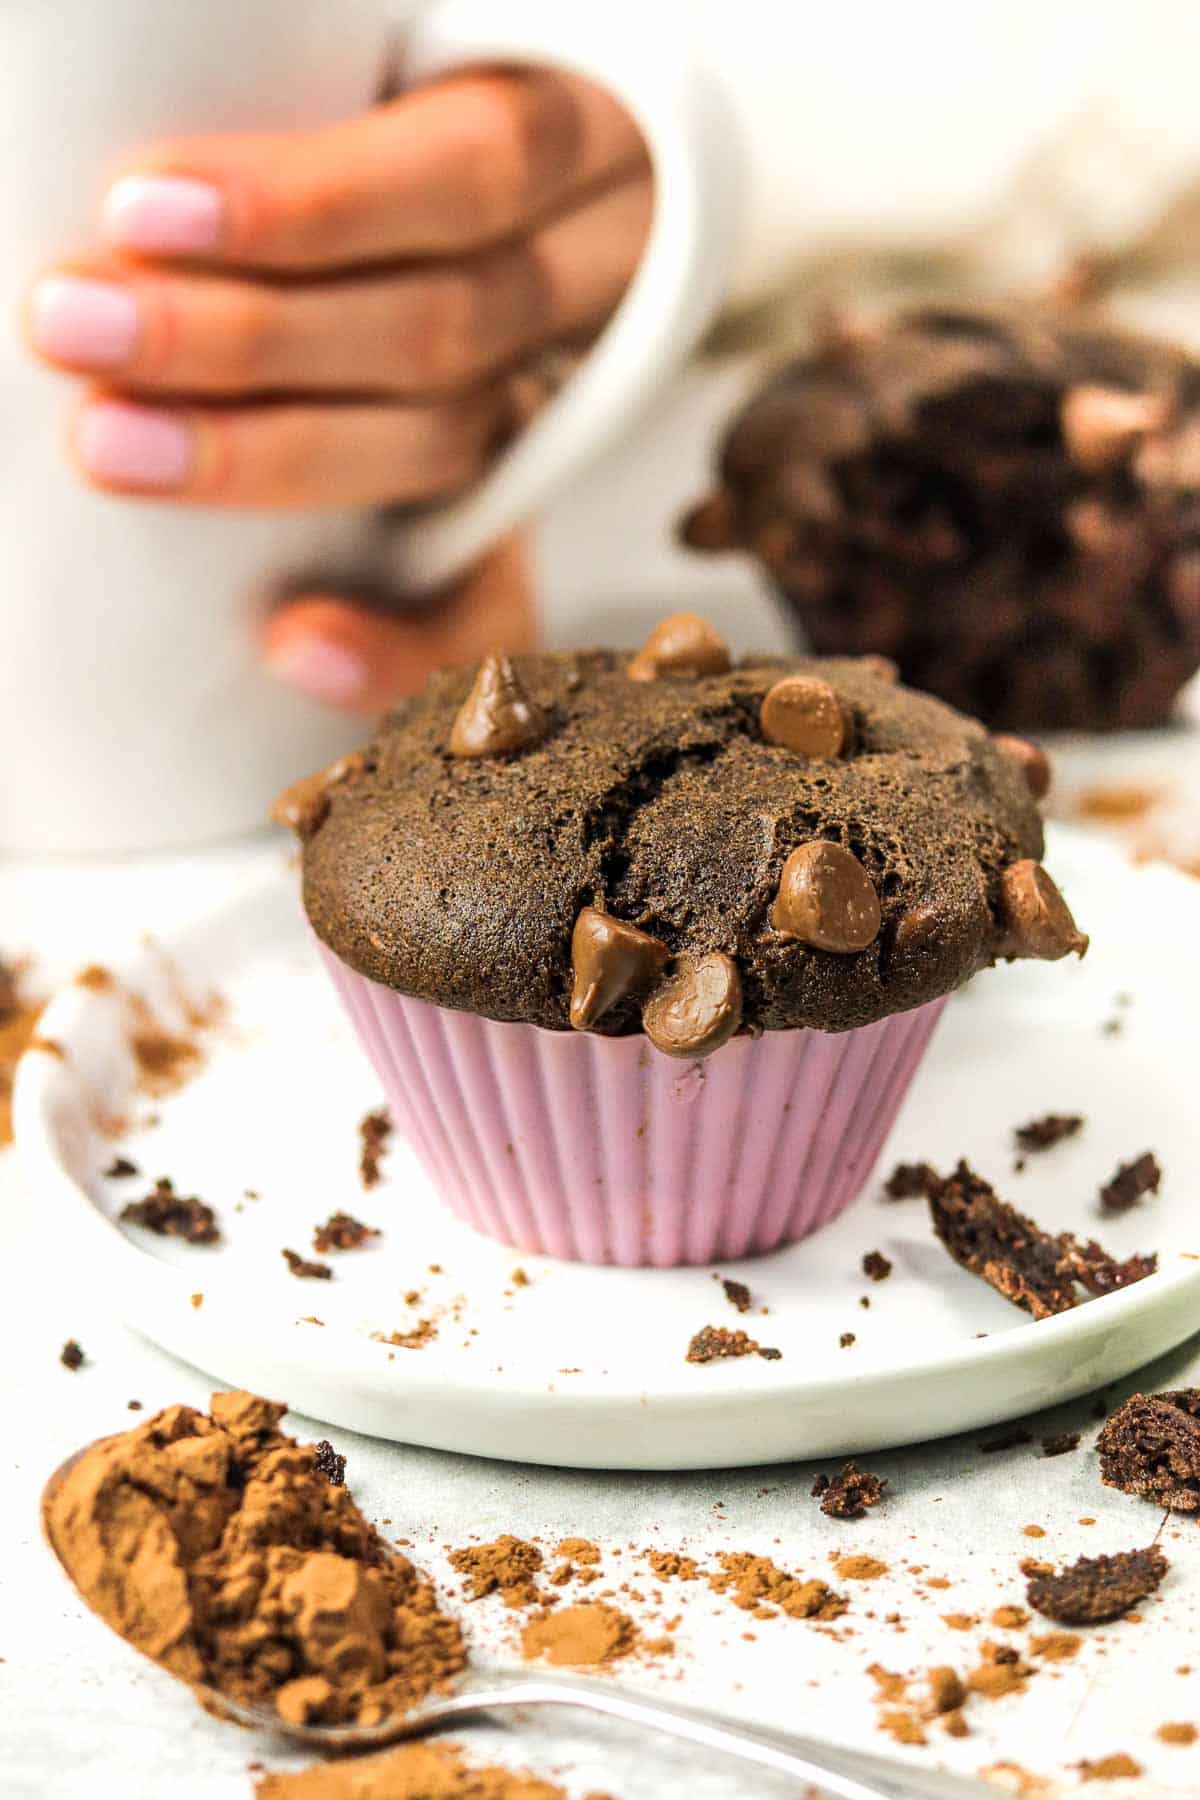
(80, 1715)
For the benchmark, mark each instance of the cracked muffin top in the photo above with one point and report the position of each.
(677, 843)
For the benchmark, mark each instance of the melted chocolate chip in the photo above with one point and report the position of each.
(1038, 918)
(806, 715)
(682, 645)
(1102, 426)
(497, 717)
(1033, 761)
(826, 899)
(303, 806)
(698, 1009)
(610, 961)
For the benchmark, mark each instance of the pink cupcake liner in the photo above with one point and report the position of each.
(602, 1150)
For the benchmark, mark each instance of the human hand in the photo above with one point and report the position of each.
(332, 319)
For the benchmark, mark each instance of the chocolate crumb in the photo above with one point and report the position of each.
(374, 1130)
(169, 1214)
(1008, 1440)
(304, 1270)
(1036, 1271)
(120, 1169)
(713, 1343)
(1151, 1447)
(848, 1494)
(1131, 1181)
(737, 1294)
(1042, 1134)
(71, 1356)
(846, 1340)
(911, 1181)
(328, 1463)
(1060, 1443)
(1096, 1589)
(876, 1266)
(133, 1406)
(341, 1231)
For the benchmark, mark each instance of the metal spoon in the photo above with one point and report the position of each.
(843, 1773)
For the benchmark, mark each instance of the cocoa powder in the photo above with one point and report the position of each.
(507, 1563)
(411, 1772)
(581, 1636)
(215, 1546)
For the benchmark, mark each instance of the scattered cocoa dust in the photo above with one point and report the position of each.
(860, 1568)
(411, 1772)
(582, 1636)
(215, 1547)
(164, 1059)
(756, 1584)
(1179, 1733)
(18, 1022)
(1117, 1767)
(1115, 802)
(508, 1564)
(1055, 1646)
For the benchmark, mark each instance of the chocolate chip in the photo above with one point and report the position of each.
(1032, 760)
(682, 645)
(71, 1355)
(826, 899)
(1038, 918)
(610, 961)
(698, 1009)
(1101, 426)
(497, 717)
(711, 524)
(808, 716)
(302, 807)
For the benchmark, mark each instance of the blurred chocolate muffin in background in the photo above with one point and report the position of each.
(1004, 499)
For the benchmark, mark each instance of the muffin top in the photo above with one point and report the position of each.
(675, 843)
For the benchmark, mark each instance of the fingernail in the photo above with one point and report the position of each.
(134, 446)
(171, 213)
(324, 670)
(89, 324)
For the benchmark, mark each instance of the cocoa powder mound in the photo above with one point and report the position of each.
(214, 1546)
(582, 1636)
(411, 1772)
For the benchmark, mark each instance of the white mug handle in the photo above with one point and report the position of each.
(642, 55)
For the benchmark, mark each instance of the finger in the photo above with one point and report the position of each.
(423, 331)
(449, 168)
(345, 655)
(290, 455)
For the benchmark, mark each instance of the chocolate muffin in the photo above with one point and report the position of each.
(1005, 500)
(644, 877)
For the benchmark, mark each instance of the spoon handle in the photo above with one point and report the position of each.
(843, 1773)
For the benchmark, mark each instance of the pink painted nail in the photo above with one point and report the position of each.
(134, 446)
(324, 670)
(174, 214)
(88, 324)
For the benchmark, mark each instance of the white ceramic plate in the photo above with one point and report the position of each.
(585, 1366)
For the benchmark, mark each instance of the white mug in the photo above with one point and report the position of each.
(134, 713)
